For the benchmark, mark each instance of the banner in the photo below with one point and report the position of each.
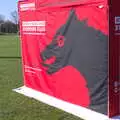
(67, 52)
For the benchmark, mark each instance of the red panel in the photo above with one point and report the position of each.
(114, 73)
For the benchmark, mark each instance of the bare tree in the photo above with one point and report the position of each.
(14, 16)
(2, 18)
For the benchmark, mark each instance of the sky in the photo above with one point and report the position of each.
(7, 6)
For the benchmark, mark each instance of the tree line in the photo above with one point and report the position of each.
(9, 26)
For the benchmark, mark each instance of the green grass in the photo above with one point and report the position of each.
(9, 46)
(14, 106)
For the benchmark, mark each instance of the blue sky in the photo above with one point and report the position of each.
(7, 6)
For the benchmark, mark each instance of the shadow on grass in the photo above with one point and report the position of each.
(9, 57)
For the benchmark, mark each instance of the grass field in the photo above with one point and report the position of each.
(14, 106)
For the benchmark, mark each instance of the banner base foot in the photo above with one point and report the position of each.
(79, 111)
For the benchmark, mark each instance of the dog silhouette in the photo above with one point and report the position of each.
(86, 49)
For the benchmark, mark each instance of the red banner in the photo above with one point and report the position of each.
(67, 52)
